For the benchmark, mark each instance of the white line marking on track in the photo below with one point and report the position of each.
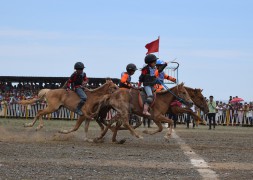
(202, 166)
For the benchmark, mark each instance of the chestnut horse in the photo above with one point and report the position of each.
(69, 99)
(195, 94)
(126, 101)
(198, 99)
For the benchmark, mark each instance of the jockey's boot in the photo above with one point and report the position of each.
(79, 108)
(145, 110)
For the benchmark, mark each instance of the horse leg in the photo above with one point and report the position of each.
(118, 124)
(160, 128)
(39, 116)
(129, 127)
(108, 126)
(86, 127)
(49, 109)
(158, 119)
(101, 125)
(32, 123)
(76, 127)
(40, 126)
(98, 139)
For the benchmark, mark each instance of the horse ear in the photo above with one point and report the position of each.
(201, 90)
(108, 79)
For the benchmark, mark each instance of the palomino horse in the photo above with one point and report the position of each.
(60, 97)
(125, 101)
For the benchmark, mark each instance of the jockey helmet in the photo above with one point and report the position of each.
(79, 65)
(150, 58)
(131, 67)
(160, 62)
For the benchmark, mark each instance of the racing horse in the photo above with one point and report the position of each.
(198, 99)
(126, 101)
(195, 94)
(69, 99)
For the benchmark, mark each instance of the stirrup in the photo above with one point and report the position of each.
(79, 112)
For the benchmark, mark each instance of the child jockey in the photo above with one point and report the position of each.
(125, 81)
(77, 80)
(160, 64)
(149, 79)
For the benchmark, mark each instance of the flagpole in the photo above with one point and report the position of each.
(159, 46)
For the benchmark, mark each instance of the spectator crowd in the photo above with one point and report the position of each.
(227, 113)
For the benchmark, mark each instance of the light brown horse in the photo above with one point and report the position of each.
(69, 99)
(125, 101)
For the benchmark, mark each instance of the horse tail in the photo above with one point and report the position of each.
(41, 95)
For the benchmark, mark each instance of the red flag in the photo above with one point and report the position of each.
(153, 46)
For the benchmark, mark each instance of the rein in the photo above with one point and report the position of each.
(177, 97)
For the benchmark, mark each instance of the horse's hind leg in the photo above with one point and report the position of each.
(86, 127)
(158, 120)
(41, 124)
(170, 123)
(34, 120)
(160, 128)
(31, 124)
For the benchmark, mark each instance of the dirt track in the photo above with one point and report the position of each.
(27, 154)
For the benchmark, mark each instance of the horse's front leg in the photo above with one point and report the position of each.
(102, 134)
(76, 127)
(101, 125)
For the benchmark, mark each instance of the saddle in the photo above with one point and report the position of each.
(142, 97)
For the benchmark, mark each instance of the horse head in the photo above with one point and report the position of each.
(111, 87)
(198, 98)
(183, 95)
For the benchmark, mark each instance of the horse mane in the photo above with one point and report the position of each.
(193, 89)
(98, 88)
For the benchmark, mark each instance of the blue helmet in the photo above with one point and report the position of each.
(160, 62)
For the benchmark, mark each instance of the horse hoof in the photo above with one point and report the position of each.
(122, 141)
(167, 137)
(27, 125)
(140, 137)
(90, 140)
(62, 132)
(145, 131)
(96, 140)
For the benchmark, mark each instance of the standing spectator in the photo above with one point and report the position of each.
(240, 114)
(189, 117)
(146, 121)
(220, 113)
(249, 114)
(212, 112)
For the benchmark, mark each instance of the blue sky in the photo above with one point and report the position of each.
(212, 39)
